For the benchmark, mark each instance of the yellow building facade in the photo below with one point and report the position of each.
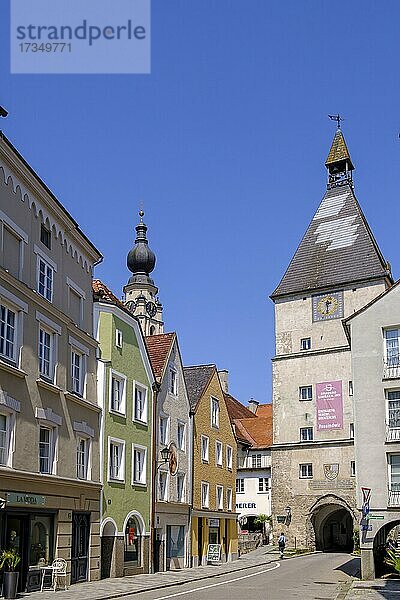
(214, 467)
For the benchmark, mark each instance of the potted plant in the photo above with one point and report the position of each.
(9, 561)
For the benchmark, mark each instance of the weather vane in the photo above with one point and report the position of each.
(141, 210)
(336, 118)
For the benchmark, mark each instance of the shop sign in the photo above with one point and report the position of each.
(213, 551)
(20, 499)
(213, 522)
(246, 505)
(281, 518)
(376, 516)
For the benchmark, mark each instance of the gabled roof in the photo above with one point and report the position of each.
(236, 409)
(159, 349)
(253, 429)
(338, 248)
(197, 378)
(102, 293)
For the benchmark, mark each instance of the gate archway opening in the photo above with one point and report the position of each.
(388, 534)
(333, 528)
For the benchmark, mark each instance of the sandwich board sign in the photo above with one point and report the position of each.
(214, 553)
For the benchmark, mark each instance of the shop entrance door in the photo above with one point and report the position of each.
(80, 547)
(17, 537)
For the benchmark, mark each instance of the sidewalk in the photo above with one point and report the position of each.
(377, 589)
(123, 586)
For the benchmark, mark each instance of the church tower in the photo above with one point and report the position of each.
(140, 291)
(337, 269)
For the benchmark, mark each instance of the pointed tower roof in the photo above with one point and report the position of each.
(339, 151)
(338, 247)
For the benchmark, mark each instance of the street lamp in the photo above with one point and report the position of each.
(165, 453)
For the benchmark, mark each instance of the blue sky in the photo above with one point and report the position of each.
(225, 142)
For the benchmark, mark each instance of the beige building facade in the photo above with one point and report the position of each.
(49, 417)
(336, 270)
(374, 334)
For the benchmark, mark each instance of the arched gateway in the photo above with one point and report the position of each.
(332, 524)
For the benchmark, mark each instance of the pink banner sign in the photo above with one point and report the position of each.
(329, 405)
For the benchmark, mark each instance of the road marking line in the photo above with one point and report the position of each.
(206, 587)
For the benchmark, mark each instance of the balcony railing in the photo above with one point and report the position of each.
(394, 498)
(246, 462)
(393, 432)
(391, 367)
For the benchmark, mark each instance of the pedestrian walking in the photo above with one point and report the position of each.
(281, 544)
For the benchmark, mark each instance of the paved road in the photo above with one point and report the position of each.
(314, 577)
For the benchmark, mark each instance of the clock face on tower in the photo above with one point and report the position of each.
(327, 306)
(151, 308)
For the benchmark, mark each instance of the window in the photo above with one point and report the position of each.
(82, 457)
(394, 467)
(45, 236)
(173, 382)
(393, 398)
(11, 251)
(45, 279)
(353, 468)
(305, 471)
(46, 361)
(205, 494)
(256, 461)
(75, 306)
(163, 430)
(352, 431)
(118, 393)
(305, 344)
(6, 426)
(139, 464)
(392, 347)
(118, 338)
(263, 484)
(218, 454)
(140, 409)
(305, 392)
(77, 372)
(116, 459)
(220, 497)
(306, 434)
(204, 448)
(350, 388)
(181, 435)
(162, 486)
(229, 454)
(240, 486)
(46, 449)
(214, 413)
(229, 499)
(8, 333)
(180, 487)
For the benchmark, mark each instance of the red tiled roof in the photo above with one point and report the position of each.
(104, 294)
(159, 347)
(236, 409)
(264, 410)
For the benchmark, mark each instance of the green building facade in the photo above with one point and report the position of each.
(125, 392)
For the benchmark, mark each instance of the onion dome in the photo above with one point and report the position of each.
(141, 259)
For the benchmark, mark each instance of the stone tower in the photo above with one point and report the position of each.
(337, 269)
(140, 291)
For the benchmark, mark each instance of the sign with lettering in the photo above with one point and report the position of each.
(281, 518)
(213, 522)
(375, 516)
(21, 499)
(214, 552)
(336, 484)
(246, 505)
(329, 405)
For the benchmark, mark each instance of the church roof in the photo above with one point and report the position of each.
(337, 248)
(159, 348)
(338, 151)
(197, 378)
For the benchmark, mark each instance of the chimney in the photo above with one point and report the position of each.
(253, 404)
(223, 378)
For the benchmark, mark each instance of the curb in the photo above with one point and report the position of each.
(344, 590)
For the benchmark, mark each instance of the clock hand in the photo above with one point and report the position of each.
(327, 304)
